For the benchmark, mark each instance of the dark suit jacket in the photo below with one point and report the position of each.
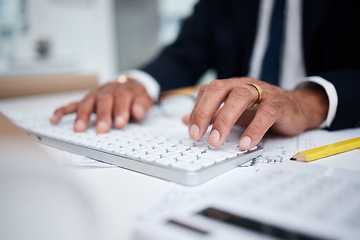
(221, 33)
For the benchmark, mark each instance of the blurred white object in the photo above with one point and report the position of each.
(39, 200)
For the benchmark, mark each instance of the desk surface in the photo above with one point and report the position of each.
(122, 193)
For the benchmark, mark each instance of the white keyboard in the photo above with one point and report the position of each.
(160, 148)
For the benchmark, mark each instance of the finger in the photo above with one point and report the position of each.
(264, 118)
(186, 119)
(123, 99)
(131, 99)
(199, 96)
(85, 108)
(246, 118)
(141, 104)
(60, 112)
(238, 100)
(104, 108)
(207, 105)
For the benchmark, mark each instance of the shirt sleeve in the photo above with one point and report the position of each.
(331, 93)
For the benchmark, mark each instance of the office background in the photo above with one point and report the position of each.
(101, 37)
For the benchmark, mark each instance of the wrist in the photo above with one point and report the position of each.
(314, 103)
(331, 94)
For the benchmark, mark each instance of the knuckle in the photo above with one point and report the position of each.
(221, 120)
(81, 116)
(106, 87)
(88, 97)
(122, 92)
(241, 93)
(203, 87)
(201, 114)
(103, 96)
(256, 130)
(59, 111)
(85, 102)
(216, 84)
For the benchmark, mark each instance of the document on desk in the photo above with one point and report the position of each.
(290, 199)
(279, 148)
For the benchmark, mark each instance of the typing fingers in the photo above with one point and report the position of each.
(141, 106)
(104, 108)
(142, 102)
(264, 118)
(239, 99)
(123, 99)
(84, 110)
(60, 112)
(207, 103)
(115, 100)
(131, 100)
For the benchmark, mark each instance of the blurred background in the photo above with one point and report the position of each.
(97, 38)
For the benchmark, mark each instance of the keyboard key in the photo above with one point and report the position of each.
(150, 157)
(172, 154)
(213, 157)
(165, 161)
(188, 166)
(187, 158)
(205, 162)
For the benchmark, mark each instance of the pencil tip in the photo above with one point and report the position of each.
(294, 159)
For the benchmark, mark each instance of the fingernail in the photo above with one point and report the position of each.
(194, 131)
(119, 121)
(139, 110)
(79, 126)
(245, 143)
(214, 137)
(101, 127)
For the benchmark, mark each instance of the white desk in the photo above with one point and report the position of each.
(121, 193)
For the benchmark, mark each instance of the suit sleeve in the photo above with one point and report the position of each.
(332, 52)
(347, 84)
(183, 62)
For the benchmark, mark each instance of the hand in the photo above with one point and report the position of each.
(112, 101)
(283, 112)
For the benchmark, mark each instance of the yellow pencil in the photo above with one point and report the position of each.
(327, 150)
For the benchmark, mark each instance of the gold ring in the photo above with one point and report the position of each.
(260, 96)
(123, 79)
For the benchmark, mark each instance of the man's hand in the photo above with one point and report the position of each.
(228, 102)
(111, 102)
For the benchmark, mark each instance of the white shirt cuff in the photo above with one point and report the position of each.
(151, 85)
(331, 93)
